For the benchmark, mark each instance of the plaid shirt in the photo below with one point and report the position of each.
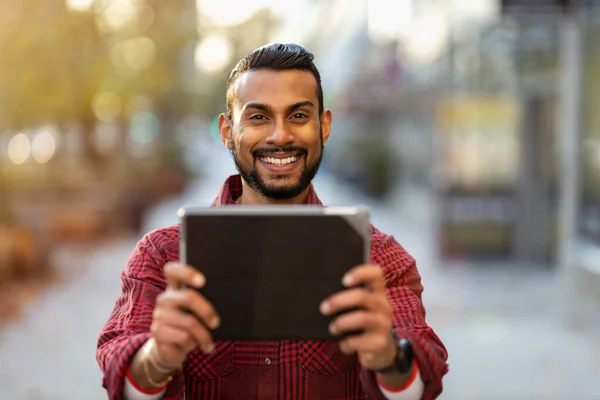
(287, 369)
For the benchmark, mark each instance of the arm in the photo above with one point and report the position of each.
(128, 326)
(404, 289)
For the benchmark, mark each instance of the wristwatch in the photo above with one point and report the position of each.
(404, 358)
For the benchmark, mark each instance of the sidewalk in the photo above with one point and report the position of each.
(49, 354)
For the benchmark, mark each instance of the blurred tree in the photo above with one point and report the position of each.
(52, 63)
(174, 35)
(56, 63)
(243, 38)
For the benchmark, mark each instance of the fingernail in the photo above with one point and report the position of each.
(332, 329)
(325, 307)
(347, 280)
(210, 348)
(214, 322)
(199, 280)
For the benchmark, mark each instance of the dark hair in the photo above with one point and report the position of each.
(277, 57)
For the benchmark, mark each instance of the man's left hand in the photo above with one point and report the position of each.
(374, 345)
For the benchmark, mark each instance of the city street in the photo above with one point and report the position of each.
(501, 325)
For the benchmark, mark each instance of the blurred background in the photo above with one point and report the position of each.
(470, 128)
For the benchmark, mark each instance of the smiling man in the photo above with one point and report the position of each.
(157, 342)
(275, 126)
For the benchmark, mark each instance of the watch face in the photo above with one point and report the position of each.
(405, 356)
(404, 360)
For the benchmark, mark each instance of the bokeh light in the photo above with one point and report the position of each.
(213, 53)
(144, 127)
(19, 148)
(214, 130)
(80, 5)
(116, 15)
(43, 147)
(135, 54)
(107, 106)
(145, 17)
(388, 20)
(232, 12)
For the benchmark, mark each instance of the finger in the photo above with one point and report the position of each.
(372, 275)
(376, 343)
(364, 321)
(190, 300)
(348, 299)
(171, 318)
(171, 336)
(178, 274)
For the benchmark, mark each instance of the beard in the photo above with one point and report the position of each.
(274, 190)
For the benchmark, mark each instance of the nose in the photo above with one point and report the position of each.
(281, 136)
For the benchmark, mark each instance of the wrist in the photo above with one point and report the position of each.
(398, 382)
(402, 360)
(144, 373)
(153, 354)
(156, 377)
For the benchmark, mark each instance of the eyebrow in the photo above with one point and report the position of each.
(289, 109)
(300, 104)
(258, 106)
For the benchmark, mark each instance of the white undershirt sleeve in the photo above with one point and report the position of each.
(412, 390)
(132, 393)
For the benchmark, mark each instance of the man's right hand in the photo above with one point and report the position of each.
(182, 318)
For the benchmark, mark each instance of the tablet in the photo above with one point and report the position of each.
(268, 268)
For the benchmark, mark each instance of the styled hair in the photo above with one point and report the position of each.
(276, 57)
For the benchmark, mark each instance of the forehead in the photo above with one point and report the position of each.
(275, 88)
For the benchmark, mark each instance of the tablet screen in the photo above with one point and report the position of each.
(267, 274)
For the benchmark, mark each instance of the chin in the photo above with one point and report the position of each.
(282, 191)
(283, 177)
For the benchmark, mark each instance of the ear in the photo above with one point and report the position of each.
(225, 127)
(326, 118)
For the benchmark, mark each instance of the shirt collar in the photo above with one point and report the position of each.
(232, 190)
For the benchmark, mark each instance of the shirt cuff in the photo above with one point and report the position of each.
(412, 390)
(133, 391)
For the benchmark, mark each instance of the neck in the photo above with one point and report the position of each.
(251, 197)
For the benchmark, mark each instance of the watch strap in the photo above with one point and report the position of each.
(404, 358)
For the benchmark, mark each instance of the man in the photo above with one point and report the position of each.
(157, 342)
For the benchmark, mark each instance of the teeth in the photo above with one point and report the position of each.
(279, 161)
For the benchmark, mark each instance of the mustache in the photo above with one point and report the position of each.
(287, 149)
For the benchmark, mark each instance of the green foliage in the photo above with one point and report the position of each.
(52, 63)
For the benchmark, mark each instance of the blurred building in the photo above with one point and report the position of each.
(584, 255)
(516, 136)
(476, 111)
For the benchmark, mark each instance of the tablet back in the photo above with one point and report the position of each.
(268, 270)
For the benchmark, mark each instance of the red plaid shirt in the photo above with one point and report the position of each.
(287, 369)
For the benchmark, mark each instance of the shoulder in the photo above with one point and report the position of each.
(386, 250)
(152, 252)
(167, 238)
(161, 244)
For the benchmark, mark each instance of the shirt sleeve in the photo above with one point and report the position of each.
(404, 289)
(128, 326)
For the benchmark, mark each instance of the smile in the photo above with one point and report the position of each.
(279, 161)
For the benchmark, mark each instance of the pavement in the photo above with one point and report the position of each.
(504, 326)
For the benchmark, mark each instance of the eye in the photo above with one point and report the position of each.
(299, 116)
(258, 117)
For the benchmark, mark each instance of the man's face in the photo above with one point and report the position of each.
(277, 135)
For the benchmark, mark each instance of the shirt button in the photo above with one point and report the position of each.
(267, 361)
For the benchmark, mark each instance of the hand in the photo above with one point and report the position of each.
(182, 317)
(374, 346)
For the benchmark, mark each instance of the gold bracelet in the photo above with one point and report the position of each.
(152, 356)
(147, 371)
